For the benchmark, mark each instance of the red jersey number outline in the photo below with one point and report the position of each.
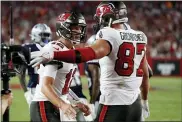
(127, 59)
(69, 78)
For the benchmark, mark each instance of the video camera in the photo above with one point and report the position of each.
(12, 57)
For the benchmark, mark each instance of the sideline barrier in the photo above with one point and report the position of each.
(160, 66)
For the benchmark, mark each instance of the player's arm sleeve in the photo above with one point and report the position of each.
(96, 51)
(91, 40)
(145, 39)
(107, 34)
(49, 75)
(51, 69)
(94, 62)
(47, 89)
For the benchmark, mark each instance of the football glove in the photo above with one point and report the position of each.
(28, 97)
(145, 109)
(45, 55)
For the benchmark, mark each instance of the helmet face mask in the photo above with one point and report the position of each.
(45, 37)
(71, 26)
(41, 34)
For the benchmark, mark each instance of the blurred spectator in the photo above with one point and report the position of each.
(160, 21)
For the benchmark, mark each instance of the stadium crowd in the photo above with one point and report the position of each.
(160, 21)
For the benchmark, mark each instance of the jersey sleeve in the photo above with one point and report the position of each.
(51, 69)
(107, 34)
(55, 45)
(145, 40)
(95, 61)
(91, 40)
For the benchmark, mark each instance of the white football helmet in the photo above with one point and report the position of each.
(41, 33)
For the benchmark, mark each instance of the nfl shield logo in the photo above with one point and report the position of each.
(100, 34)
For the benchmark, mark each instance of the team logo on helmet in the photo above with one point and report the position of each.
(103, 10)
(63, 17)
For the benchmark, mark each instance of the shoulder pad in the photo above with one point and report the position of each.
(57, 45)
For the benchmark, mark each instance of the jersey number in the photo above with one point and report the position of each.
(124, 64)
(68, 81)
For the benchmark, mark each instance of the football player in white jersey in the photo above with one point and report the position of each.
(123, 64)
(50, 102)
(92, 73)
(92, 68)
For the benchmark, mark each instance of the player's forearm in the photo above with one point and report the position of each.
(95, 93)
(49, 92)
(22, 78)
(75, 56)
(95, 75)
(145, 87)
(23, 82)
(145, 80)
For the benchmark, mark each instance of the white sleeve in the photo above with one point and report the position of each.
(50, 70)
(107, 34)
(91, 40)
(145, 39)
(95, 61)
(55, 45)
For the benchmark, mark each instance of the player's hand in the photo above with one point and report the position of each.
(68, 110)
(28, 97)
(145, 109)
(84, 108)
(43, 56)
(37, 61)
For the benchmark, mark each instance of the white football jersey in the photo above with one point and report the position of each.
(76, 80)
(91, 41)
(62, 74)
(121, 75)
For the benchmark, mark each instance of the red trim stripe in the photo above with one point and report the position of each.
(103, 113)
(42, 111)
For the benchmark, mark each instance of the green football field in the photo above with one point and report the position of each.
(164, 100)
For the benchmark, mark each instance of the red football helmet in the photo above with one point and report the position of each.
(64, 25)
(108, 13)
